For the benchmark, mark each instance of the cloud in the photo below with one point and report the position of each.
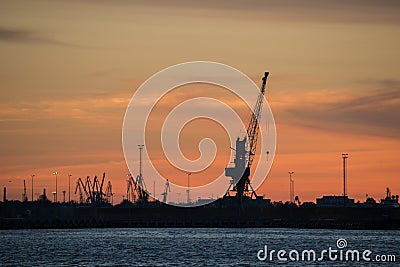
(376, 83)
(29, 37)
(94, 111)
(375, 113)
(314, 11)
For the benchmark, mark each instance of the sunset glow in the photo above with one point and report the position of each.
(70, 68)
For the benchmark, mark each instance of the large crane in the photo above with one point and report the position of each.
(93, 192)
(240, 174)
(136, 189)
(97, 189)
(166, 190)
(109, 193)
(81, 188)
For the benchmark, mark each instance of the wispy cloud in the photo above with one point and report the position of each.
(314, 11)
(376, 113)
(380, 83)
(89, 110)
(29, 37)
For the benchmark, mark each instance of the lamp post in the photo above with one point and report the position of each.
(32, 175)
(55, 195)
(140, 159)
(291, 183)
(344, 156)
(188, 190)
(69, 187)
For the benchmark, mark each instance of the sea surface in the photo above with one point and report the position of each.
(192, 247)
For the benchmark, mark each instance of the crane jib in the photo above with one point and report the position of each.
(252, 129)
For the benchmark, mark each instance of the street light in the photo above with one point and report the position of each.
(344, 156)
(188, 190)
(69, 187)
(140, 159)
(55, 193)
(291, 182)
(32, 175)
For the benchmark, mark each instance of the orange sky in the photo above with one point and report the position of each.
(69, 69)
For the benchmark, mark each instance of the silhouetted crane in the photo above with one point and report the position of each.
(109, 193)
(166, 190)
(240, 174)
(136, 190)
(93, 192)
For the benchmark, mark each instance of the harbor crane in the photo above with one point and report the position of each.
(136, 189)
(81, 188)
(97, 189)
(166, 190)
(240, 182)
(109, 193)
(91, 193)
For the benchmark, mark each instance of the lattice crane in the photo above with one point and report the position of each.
(240, 174)
(136, 189)
(93, 192)
(166, 190)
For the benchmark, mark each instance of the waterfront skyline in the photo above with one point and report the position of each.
(70, 68)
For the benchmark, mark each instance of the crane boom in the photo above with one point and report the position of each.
(102, 182)
(252, 129)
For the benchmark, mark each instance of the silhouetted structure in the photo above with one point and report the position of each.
(345, 156)
(335, 201)
(390, 200)
(240, 173)
(43, 197)
(92, 193)
(224, 212)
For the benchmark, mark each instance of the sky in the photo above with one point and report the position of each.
(69, 68)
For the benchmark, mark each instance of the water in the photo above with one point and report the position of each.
(180, 247)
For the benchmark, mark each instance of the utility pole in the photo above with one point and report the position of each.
(69, 187)
(345, 156)
(32, 175)
(188, 188)
(140, 159)
(291, 184)
(24, 196)
(55, 195)
(292, 195)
